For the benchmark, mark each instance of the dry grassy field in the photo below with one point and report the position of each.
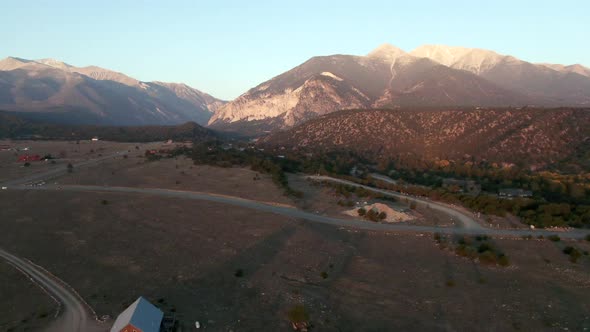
(64, 152)
(184, 255)
(24, 307)
(178, 174)
(236, 269)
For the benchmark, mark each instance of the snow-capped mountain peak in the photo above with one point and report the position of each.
(388, 52)
(445, 55)
(390, 77)
(471, 59)
(54, 63)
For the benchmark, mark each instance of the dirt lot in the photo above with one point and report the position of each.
(324, 200)
(184, 255)
(24, 307)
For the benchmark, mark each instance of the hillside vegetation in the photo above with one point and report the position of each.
(546, 152)
(527, 138)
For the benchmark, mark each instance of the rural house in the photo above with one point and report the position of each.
(140, 316)
(511, 193)
(466, 186)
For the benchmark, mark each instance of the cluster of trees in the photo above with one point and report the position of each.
(328, 163)
(218, 153)
(372, 214)
(559, 199)
(574, 253)
(479, 248)
(352, 192)
(536, 211)
(172, 153)
(277, 172)
(348, 191)
(549, 185)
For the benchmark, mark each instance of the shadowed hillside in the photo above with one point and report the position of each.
(15, 127)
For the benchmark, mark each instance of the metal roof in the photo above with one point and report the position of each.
(515, 192)
(141, 314)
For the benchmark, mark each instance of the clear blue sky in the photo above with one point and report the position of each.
(226, 47)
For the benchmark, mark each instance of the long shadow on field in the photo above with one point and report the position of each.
(224, 292)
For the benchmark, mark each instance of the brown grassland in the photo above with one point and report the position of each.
(238, 269)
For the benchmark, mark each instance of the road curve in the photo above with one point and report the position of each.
(465, 220)
(383, 178)
(296, 213)
(75, 316)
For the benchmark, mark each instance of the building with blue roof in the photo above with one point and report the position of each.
(140, 316)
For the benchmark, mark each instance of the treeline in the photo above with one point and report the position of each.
(553, 186)
(14, 127)
(534, 211)
(558, 199)
(350, 191)
(330, 163)
(223, 154)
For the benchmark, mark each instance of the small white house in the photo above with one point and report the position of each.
(94, 139)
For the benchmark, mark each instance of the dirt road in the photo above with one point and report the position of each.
(75, 315)
(465, 220)
(472, 228)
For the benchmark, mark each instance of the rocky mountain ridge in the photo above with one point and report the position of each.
(388, 77)
(55, 91)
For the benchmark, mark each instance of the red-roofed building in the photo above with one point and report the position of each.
(27, 158)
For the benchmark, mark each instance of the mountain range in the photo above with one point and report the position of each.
(54, 91)
(430, 76)
(13, 126)
(388, 77)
